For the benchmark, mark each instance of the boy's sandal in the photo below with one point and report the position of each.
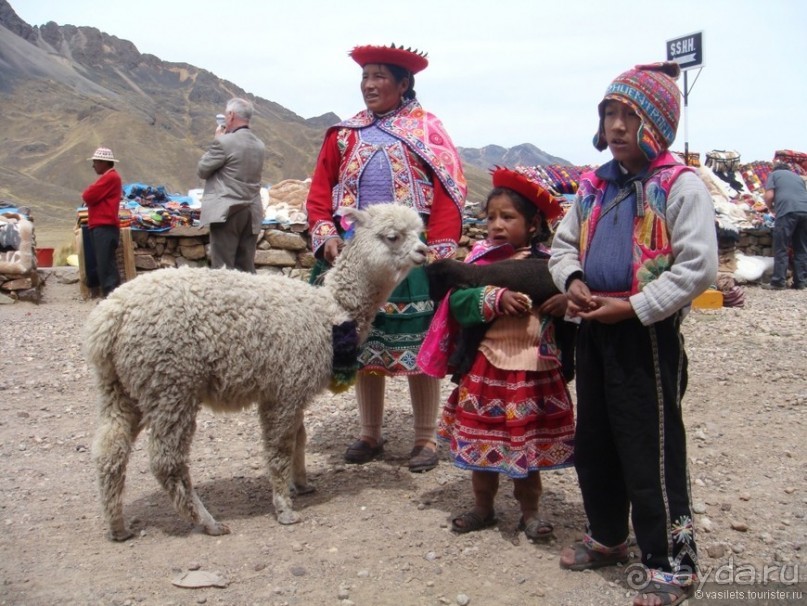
(670, 594)
(471, 521)
(361, 452)
(588, 559)
(536, 529)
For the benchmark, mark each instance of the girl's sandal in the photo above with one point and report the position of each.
(588, 559)
(471, 521)
(536, 529)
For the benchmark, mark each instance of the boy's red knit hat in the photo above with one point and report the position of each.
(411, 60)
(651, 92)
(528, 187)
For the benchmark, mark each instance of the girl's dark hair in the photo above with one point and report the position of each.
(399, 73)
(526, 208)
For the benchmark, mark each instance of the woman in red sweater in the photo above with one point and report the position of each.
(103, 202)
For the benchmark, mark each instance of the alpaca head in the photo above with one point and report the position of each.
(387, 238)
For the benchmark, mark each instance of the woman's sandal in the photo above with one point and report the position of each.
(670, 594)
(471, 521)
(536, 529)
(361, 452)
(588, 559)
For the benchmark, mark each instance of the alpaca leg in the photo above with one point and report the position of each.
(299, 477)
(280, 431)
(119, 424)
(169, 450)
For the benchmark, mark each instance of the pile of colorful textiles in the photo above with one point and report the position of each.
(556, 178)
(154, 209)
(755, 174)
(797, 161)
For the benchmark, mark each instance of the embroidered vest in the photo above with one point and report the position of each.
(411, 185)
(652, 251)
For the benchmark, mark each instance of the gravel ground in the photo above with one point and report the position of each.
(376, 534)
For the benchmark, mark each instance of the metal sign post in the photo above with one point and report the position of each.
(687, 51)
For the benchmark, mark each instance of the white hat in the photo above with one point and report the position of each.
(103, 153)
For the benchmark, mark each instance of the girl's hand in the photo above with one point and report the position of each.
(554, 306)
(514, 303)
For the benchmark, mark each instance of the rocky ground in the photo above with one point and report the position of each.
(376, 534)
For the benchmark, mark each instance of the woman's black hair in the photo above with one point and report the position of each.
(399, 73)
(525, 208)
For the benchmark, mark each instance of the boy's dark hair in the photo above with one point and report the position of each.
(781, 166)
(523, 206)
(399, 73)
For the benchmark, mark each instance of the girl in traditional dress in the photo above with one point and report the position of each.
(511, 412)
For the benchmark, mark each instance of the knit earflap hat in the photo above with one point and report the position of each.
(103, 153)
(651, 92)
(411, 60)
(523, 184)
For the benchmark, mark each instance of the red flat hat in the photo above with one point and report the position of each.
(532, 190)
(411, 60)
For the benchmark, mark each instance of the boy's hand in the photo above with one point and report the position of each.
(554, 306)
(608, 310)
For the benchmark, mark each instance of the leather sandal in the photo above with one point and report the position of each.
(588, 559)
(536, 529)
(422, 459)
(471, 521)
(361, 452)
(670, 594)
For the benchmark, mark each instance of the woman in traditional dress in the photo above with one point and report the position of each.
(393, 152)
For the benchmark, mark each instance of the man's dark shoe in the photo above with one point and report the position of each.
(773, 286)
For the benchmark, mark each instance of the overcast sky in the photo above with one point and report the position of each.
(501, 72)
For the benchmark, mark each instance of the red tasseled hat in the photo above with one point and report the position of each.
(411, 60)
(532, 190)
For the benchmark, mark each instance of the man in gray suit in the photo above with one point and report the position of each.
(231, 202)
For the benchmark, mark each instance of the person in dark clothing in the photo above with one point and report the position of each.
(786, 198)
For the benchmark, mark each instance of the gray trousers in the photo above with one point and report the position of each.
(232, 243)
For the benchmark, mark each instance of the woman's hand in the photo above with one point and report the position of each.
(514, 303)
(331, 249)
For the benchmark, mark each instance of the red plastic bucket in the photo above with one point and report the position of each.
(44, 257)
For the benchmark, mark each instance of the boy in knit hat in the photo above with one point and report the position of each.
(636, 248)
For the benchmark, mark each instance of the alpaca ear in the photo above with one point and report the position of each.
(352, 216)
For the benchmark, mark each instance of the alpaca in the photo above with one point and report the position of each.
(169, 341)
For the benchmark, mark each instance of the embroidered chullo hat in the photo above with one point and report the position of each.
(411, 60)
(650, 90)
(528, 187)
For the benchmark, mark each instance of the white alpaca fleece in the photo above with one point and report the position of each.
(171, 340)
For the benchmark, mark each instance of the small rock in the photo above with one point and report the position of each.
(194, 566)
(363, 574)
(716, 550)
(739, 526)
(343, 593)
(790, 490)
(738, 548)
(463, 600)
(745, 496)
(298, 571)
(705, 524)
(698, 507)
(194, 579)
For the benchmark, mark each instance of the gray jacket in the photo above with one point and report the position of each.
(232, 169)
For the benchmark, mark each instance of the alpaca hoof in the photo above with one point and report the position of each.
(121, 535)
(217, 529)
(289, 517)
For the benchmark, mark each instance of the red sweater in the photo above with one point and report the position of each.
(103, 199)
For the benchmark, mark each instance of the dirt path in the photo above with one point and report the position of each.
(375, 534)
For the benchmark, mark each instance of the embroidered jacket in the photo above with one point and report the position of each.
(426, 174)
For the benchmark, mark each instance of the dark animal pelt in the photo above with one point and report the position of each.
(529, 276)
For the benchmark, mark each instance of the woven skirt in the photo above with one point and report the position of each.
(509, 421)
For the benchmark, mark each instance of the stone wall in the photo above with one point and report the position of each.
(285, 249)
